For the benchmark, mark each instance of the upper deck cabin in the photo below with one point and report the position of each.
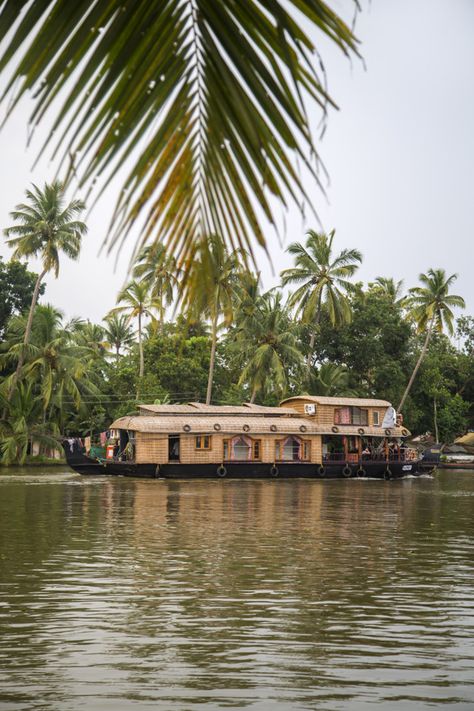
(347, 414)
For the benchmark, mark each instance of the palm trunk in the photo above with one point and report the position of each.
(254, 394)
(313, 337)
(418, 363)
(117, 355)
(435, 414)
(310, 354)
(141, 369)
(212, 360)
(26, 338)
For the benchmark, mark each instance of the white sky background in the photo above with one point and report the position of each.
(400, 154)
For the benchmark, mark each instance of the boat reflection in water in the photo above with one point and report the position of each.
(221, 594)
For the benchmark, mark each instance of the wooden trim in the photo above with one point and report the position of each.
(203, 437)
(259, 443)
(306, 445)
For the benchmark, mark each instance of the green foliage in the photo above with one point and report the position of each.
(179, 366)
(375, 346)
(267, 347)
(16, 290)
(331, 380)
(452, 418)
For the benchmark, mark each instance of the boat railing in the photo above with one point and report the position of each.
(399, 454)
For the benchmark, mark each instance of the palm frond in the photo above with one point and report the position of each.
(201, 102)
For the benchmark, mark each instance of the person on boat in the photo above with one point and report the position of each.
(366, 452)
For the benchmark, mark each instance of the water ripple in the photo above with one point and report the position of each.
(125, 594)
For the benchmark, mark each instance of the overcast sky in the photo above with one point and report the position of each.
(400, 154)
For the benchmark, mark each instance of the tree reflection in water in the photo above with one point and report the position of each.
(290, 594)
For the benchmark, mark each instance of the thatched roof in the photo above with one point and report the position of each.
(466, 440)
(199, 408)
(226, 424)
(347, 401)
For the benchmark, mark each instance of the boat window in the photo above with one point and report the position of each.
(225, 452)
(351, 416)
(241, 448)
(375, 418)
(291, 449)
(203, 442)
(257, 449)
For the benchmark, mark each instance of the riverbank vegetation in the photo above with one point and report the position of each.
(217, 335)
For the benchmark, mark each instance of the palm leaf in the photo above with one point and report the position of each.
(200, 102)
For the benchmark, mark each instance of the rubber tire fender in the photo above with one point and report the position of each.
(347, 471)
(322, 471)
(274, 471)
(221, 471)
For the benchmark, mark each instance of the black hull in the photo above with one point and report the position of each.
(245, 470)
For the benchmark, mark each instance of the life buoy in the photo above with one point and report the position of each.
(273, 428)
(221, 471)
(217, 427)
(347, 471)
(361, 430)
(361, 471)
(187, 428)
(388, 431)
(274, 470)
(322, 471)
(404, 432)
(246, 428)
(303, 428)
(387, 473)
(335, 429)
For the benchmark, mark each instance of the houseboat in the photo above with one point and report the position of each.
(306, 436)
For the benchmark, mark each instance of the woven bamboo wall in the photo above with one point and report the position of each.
(153, 448)
(150, 447)
(325, 413)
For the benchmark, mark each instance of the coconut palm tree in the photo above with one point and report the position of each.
(92, 336)
(57, 368)
(22, 425)
(431, 308)
(324, 279)
(160, 272)
(118, 333)
(205, 103)
(137, 303)
(213, 279)
(332, 380)
(44, 227)
(390, 288)
(268, 346)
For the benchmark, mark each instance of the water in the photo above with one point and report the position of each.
(331, 595)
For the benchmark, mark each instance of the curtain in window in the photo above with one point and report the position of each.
(241, 448)
(292, 449)
(343, 416)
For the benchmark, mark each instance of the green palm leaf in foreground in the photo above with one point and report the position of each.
(203, 103)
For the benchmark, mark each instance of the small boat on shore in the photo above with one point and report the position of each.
(306, 436)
